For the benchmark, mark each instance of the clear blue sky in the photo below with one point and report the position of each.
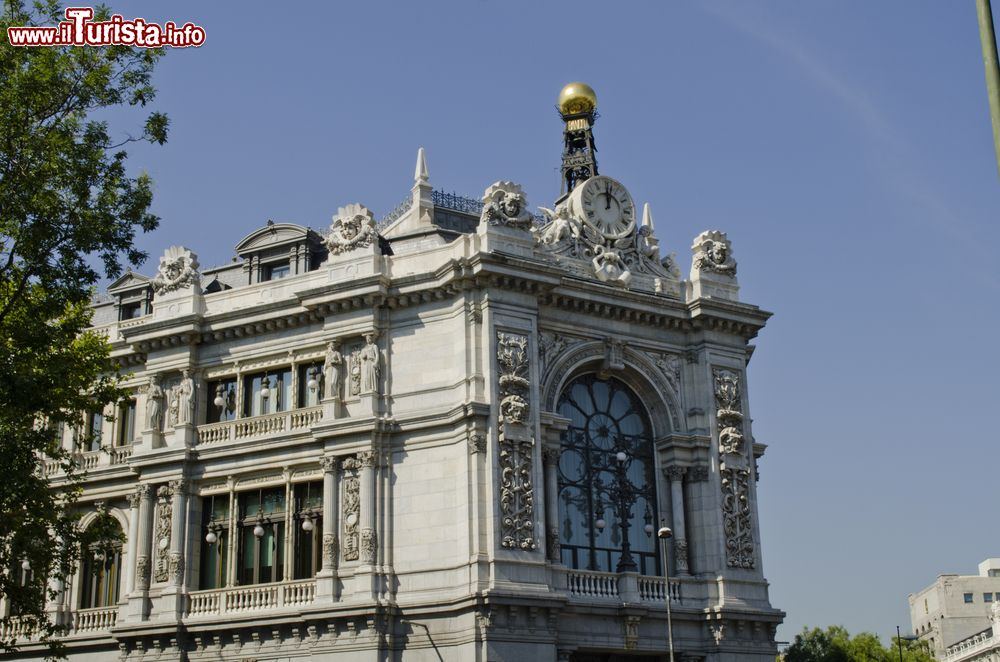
(844, 146)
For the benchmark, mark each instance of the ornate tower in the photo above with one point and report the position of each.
(578, 109)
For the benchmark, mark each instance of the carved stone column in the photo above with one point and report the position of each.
(133, 543)
(172, 500)
(176, 563)
(55, 606)
(551, 458)
(138, 606)
(327, 586)
(675, 475)
(369, 537)
(366, 579)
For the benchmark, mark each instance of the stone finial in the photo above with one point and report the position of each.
(647, 216)
(420, 173)
(178, 270)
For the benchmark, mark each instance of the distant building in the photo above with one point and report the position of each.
(956, 609)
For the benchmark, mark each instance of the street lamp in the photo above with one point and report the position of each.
(899, 642)
(663, 534)
(622, 494)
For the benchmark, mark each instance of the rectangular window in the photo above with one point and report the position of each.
(993, 572)
(215, 542)
(126, 423)
(131, 310)
(267, 392)
(276, 271)
(222, 400)
(261, 538)
(987, 597)
(968, 598)
(308, 522)
(95, 422)
(310, 396)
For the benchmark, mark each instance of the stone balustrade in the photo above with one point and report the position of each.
(604, 586)
(89, 460)
(94, 620)
(971, 646)
(16, 629)
(243, 599)
(258, 426)
(586, 583)
(121, 454)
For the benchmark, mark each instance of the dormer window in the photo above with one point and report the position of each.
(275, 271)
(280, 250)
(132, 310)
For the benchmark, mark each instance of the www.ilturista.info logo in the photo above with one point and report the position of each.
(79, 30)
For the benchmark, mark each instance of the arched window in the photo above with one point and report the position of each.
(606, 485)
(100, 576)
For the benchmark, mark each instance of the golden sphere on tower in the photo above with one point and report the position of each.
(577, 98)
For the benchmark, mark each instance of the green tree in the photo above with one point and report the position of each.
(835, 644)
(69, 211)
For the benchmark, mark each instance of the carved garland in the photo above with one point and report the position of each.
(516, 444)
(734, 469)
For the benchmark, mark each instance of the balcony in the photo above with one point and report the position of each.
(259, 426)
(94, 620)
(590, 585)
(972, 647)
(108, 456)
(249, 599)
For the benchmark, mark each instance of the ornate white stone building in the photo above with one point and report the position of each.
(451, 434)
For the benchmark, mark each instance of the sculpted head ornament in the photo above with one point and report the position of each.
(504, 204)
(713, 252)
(178, 269)
(353, 227)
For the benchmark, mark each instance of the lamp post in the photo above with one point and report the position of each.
(899, 642)
(622, 494)
(664, 534)
(988, 38)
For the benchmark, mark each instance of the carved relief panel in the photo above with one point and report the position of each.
(516, 443)
(351, 514)
(734, 469)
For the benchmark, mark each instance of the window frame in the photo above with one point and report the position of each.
(581, 442)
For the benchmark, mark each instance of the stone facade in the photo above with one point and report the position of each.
(394, 391)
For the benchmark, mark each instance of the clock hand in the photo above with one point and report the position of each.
(607, 205)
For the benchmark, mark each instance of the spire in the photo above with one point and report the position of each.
(578, 109)
(420, 174)
(647, 216)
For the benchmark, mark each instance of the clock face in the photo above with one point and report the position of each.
(607, 207)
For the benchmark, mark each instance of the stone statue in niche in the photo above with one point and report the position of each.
(334, 369)
(370, 368)
(185, 399)
(154, 405)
